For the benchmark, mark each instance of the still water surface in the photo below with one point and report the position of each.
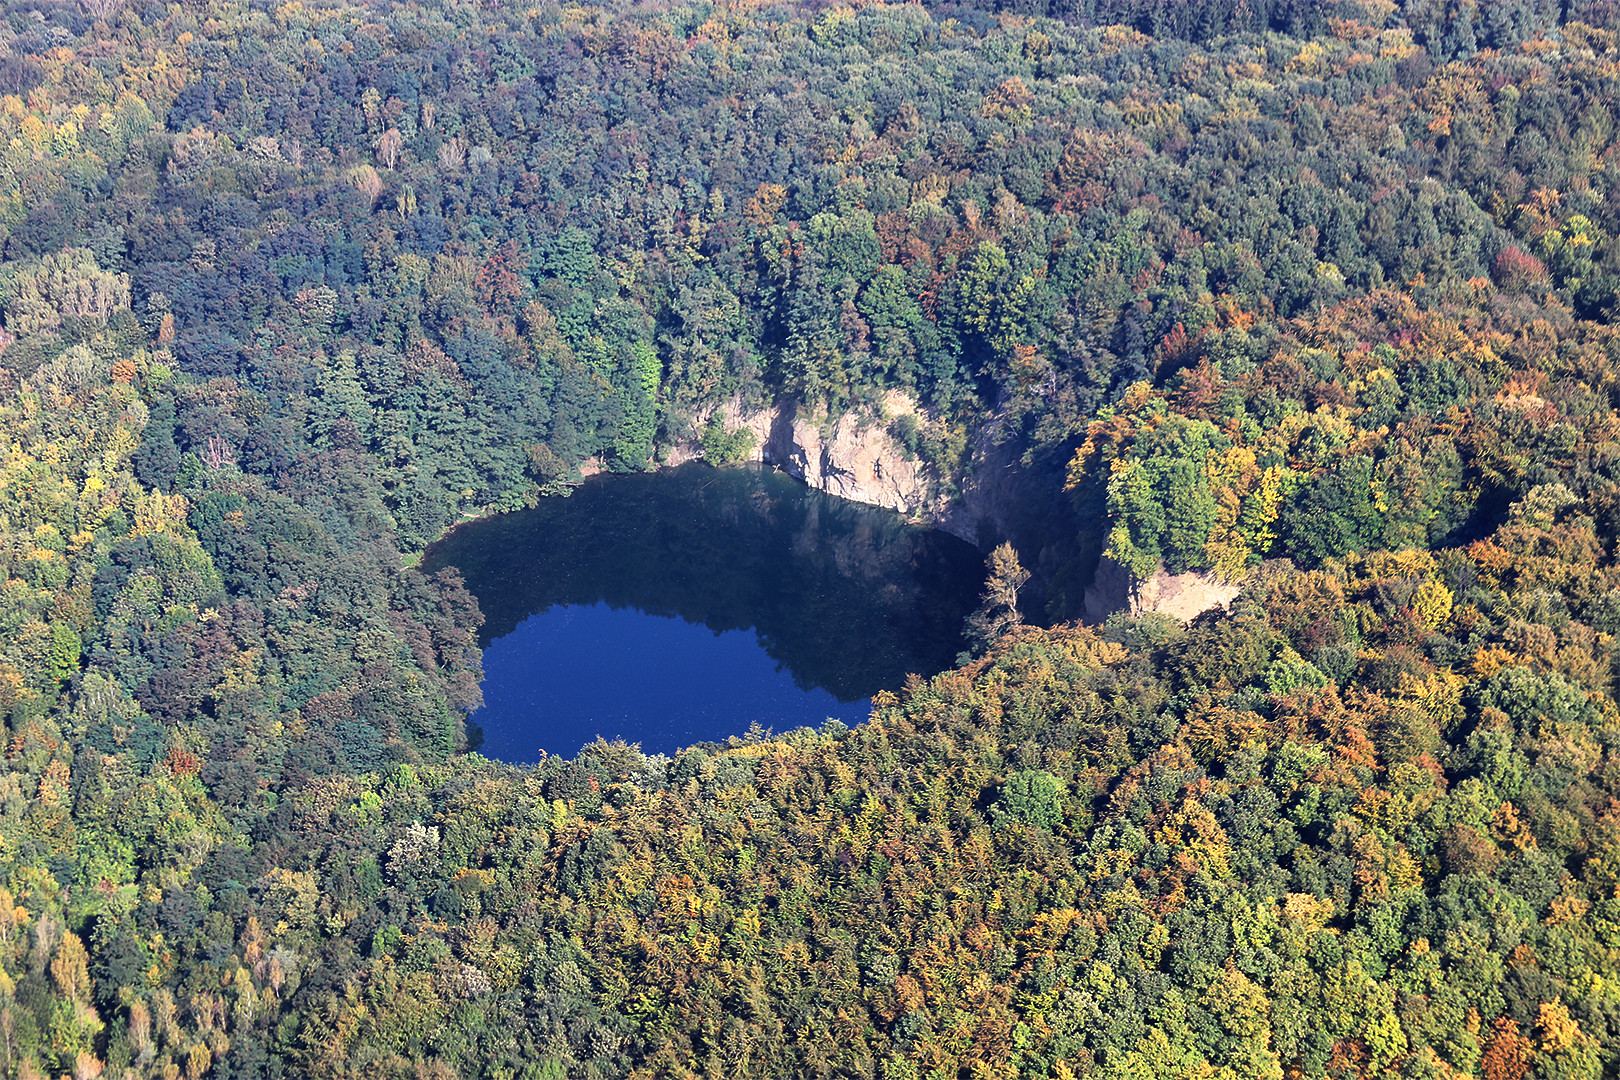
(685, 605)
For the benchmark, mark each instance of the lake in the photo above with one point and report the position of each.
(688, 604)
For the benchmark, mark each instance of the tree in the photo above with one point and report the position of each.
(1030, 797)
(998, 613)
(1334, 514)
(1160, 500)
(1508, 1055)
(633, 445)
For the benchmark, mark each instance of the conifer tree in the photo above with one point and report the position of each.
(998, 613)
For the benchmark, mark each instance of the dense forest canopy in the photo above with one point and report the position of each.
(1316, 296)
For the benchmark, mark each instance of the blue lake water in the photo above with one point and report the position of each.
(654, 679)
(686, 605)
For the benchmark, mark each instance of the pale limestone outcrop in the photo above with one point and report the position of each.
(1184, 596)
(854, 457)
(858, 461)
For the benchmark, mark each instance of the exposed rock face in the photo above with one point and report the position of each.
(852, 461)
(856, 458)
(853, 457)
(1184, 596)
(990, 500)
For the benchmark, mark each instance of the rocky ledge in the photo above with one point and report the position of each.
(854, 457)
(857, 457)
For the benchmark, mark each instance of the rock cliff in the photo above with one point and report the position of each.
(1184, 596)
(854, 457)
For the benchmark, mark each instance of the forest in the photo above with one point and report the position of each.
(1315, 296)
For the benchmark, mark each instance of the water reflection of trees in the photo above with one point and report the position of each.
(846, 597)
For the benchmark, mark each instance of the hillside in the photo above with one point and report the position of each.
(1316, 298)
